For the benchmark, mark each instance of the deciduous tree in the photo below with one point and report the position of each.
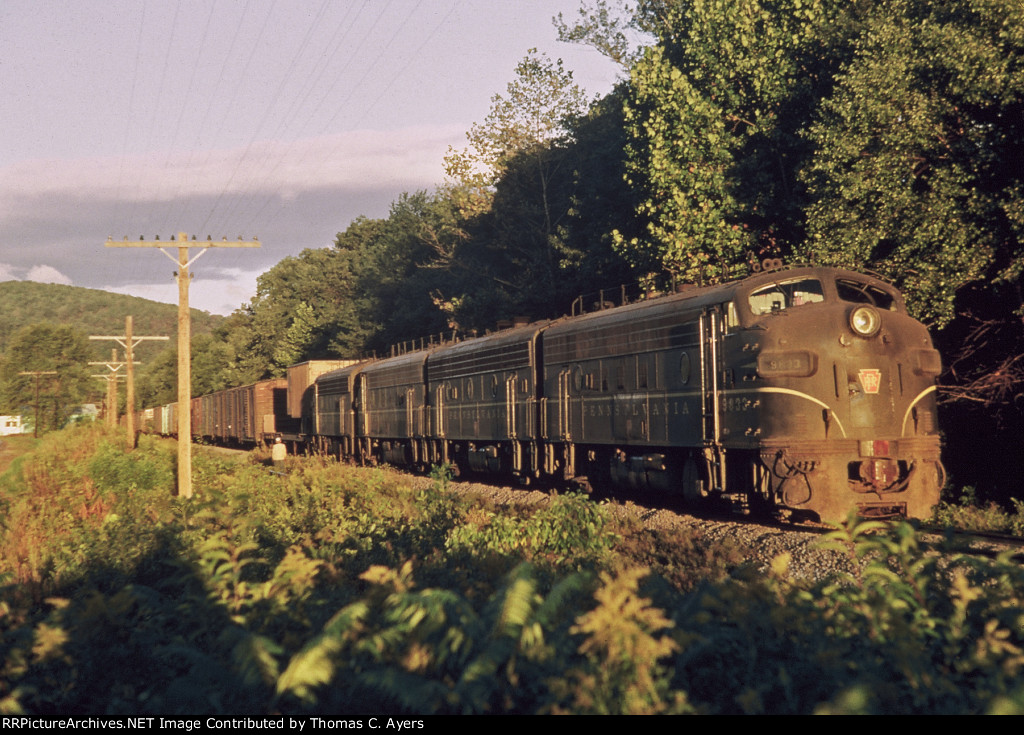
(917, 166)
(713, 118)
(517, 176)
(42, 348)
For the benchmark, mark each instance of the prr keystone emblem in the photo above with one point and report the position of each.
(870, 380)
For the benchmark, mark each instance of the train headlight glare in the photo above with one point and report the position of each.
(865, 321)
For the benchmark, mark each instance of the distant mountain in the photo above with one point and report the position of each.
(93, 312)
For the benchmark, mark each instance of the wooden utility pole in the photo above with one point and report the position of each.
(107, 401)
(184, 336)
(38, 374)
(129, 342)
(111, 377)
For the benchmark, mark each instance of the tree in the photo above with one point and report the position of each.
(214, 367)
(916, 173)
(713, 120)
(406, 270)
(876, 135)
(599, 201)
(514, 189)
(43, 348)
(521, 131)
(538, 104)
(605, 28)
(679, 156)
(301, 307)
(880, 135)
(917, 164)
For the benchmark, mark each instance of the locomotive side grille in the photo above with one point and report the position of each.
(493, 359)
(643, 335)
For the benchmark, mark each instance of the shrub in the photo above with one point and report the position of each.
(350, 592)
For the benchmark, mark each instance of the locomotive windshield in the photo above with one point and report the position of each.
(864, 293)
(785, 295)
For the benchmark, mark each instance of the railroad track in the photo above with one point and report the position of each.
(762, 538)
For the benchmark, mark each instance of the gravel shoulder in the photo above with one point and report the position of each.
(761, 541)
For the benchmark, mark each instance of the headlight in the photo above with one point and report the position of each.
(865, 321)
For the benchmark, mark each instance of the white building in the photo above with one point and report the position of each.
(12, 425)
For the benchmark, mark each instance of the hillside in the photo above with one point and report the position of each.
(91, 311)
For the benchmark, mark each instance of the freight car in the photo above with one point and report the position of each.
(807, 389)
(243, 416)
(250, 415)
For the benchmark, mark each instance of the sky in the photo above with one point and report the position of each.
(281, 120)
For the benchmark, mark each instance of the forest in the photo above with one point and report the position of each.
(61, 349)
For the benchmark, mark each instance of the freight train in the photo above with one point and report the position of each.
(805, 389)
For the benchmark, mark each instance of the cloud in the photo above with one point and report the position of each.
(47, 274)
(39, 273)
(411, 157)
(218, 291)
(290, 196)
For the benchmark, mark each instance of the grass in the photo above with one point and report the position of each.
(14, 446)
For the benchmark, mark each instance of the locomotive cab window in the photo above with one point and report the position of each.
(732, 319)
(785, 295)
(865, 293)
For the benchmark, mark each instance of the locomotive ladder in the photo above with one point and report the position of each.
(710, 338)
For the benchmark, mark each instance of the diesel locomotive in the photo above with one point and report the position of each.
(808, 389)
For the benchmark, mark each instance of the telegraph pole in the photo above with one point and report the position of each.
(184, 335)
(129, 343)
(114, 367)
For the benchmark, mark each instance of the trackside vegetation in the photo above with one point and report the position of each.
(351, 591)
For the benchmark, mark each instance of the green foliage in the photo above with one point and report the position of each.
(532, 113)
(882, 135)
(79, 501)
(568, 529)
(684, 558)
(604, 28)
(375, 287)
(678, 157)
(335, 590)
(912, 631)
(969, 515)
(912, 172)
(301, 305)
(712, 115)
(599, 202)
(515, 186)
(115, 472)
(59, 354)
(626, 673)
(91, 312)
